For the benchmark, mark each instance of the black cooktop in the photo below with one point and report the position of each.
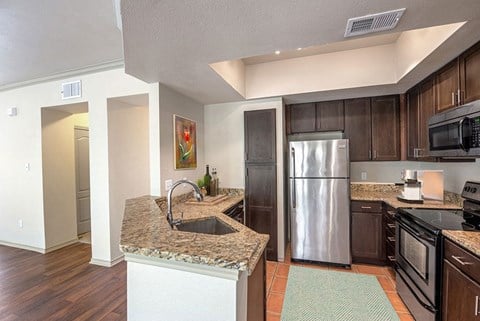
(436, 220)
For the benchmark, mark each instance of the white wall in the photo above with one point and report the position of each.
(455, 174)
(128, 162)
(170, 103)
(224, 148)
(21, 195)
(59, 197)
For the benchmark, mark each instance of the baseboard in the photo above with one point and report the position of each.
(106, 263)
(23, 247)
(59, 246)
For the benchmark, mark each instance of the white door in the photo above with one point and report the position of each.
(83, 179)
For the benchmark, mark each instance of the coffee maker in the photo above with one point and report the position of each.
(412, 188)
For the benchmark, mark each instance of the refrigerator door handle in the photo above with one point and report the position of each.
(294, 197)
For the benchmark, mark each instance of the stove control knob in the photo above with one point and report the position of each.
(467, 189)
(474, 190)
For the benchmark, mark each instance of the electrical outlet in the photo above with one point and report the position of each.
(184, 185)
(27, 167)
(20, 223)
(364, 176)
(168, 184)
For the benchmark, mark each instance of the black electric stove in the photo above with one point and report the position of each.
(419, 252)
(436, 220)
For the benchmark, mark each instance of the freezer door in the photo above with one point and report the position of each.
(320, 220)
(319, 158)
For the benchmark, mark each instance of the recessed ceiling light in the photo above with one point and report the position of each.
(299, 48)
(277, 52)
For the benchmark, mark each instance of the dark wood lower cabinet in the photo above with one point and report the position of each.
(461, 284)
(256, 293)
(461, 295)
(390, 232)
(368, 241)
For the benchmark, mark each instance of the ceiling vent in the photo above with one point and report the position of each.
(373, 23)
(72, 89)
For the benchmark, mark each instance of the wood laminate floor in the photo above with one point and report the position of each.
(60, 285)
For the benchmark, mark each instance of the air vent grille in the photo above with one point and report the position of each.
(373, 23)
(72, 89)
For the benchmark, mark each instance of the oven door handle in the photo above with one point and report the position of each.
(426, 306)
(418, 234)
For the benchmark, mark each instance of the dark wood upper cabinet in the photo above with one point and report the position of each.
(260, 175)
(412, 123)
(447, 85)
(469, 74)
(260, 136)
(302, 118)
(358, 128)
(385, 128)
(426, 110)
(330, 116)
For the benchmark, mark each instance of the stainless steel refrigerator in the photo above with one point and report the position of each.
(319, 201)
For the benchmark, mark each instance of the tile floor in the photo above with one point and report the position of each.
(277, 275)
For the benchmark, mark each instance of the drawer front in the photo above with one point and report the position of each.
(369, 207)
(463, 260)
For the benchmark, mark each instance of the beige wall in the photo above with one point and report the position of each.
(58, 157)
(224, 148)
(128, 162)
(170, 103)
(80, 119)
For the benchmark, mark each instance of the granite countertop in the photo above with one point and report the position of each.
(467, 239)
(145, 231)
(388, 193)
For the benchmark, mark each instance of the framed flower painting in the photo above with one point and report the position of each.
(185, 142)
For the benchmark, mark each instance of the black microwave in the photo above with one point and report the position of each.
(456, 132)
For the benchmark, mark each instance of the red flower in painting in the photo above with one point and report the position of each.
(186, 135)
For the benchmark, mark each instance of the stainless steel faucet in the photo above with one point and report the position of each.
(197, 193)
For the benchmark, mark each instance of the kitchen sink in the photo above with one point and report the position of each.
(207, 225)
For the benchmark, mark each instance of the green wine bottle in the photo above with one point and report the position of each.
(206, 180)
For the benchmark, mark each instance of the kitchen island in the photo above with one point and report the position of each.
(175, 275)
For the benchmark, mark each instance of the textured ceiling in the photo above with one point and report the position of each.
(173, 41)
(43, 38)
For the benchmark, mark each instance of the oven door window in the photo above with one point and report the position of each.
(414, 252)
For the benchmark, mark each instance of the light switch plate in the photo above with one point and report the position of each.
(364, 176)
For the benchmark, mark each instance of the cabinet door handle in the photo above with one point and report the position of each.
(366, 207)
(476, 306)
(453, 98)
(390, 225)
(458, 259)
(391, 213)
(391, 239)
(374, 154)
(459, 97)
(369, 154)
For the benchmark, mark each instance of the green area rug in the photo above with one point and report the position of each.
(318, 295)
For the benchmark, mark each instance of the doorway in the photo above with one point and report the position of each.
(66, 174)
